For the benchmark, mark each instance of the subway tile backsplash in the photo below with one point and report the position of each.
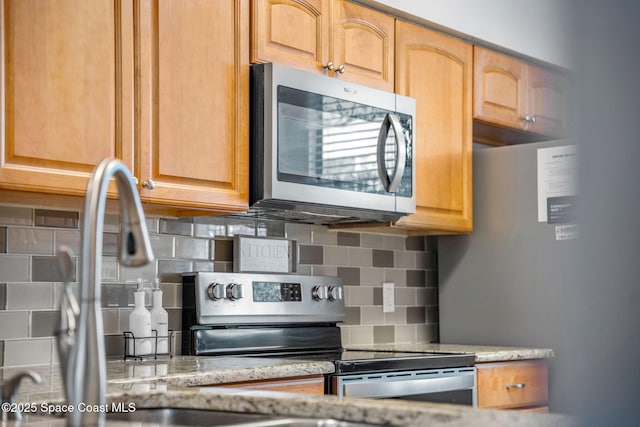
(30, 283)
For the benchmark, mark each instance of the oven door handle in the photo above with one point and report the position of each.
(399, 388)
(391, 184)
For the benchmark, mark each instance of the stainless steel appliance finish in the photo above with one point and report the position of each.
(296, 316)
(328, 151)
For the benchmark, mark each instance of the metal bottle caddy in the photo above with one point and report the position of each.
(129, 350)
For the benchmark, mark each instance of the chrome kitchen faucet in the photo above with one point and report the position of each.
(81, 349)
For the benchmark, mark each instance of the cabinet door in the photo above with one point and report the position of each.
(548, 101)
(193, 88)
(500, 89)
(67, 91)
(363, 42)
(436, 70)
(291, 32)
(515, 385)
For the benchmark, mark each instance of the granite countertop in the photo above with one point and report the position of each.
(180, 382)
(483, 353)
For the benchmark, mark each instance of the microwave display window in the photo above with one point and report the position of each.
(330, 142)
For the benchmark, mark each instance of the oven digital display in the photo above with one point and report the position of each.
(276, 292)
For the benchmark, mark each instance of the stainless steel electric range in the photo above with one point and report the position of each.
(297, 316)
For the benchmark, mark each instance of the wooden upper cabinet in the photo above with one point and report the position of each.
(193, 88)
(67, 90)
(436, 70)
(309, 34)
(513, 94)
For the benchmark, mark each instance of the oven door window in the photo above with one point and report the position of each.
(333, 143)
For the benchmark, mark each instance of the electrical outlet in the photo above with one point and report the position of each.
(388, 297)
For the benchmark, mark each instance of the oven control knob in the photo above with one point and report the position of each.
(319, 292)
(335, 293)
(234, 291)
(215, 291)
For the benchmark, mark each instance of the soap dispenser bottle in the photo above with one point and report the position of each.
(140, 324)
(159, 320)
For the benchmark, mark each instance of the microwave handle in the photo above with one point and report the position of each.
(391, 184)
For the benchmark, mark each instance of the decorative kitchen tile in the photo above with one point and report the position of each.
(404, 259)
(110, 244)
(14, 324)
(147, 272)
(371, 315)
(111, 223)
(432, 260)
(10, 215)
(192, 248)
(416, 315)
(360, 257)
(123, 315)
(357, 296)
(3, 297)
(111, 320)
(405, 334)
(211, 230)
(431, 278)
(241, 226)
(114, 346)
(396, 275)
(202, 266)
(175, 318)
(110, 269)
(223, 266)
(427, 333)
(382, 258)
(416, 278)
(152, 224)
(162, 245)
(171, 271)
(352, 316)
(58, 290)
(176, 227)
(266, 228)
(171, 295)
(29, 241)
(404, 296)
(322, 270)
(116, 295)
(336, 255)
(43, 323)
(298, 232)
(348, 239)
(415, 243)
(433, 314)
(35, 351)
(321, 235)
(396, 317)
(359, 335)
(370, 240)
(308, 254)
(58, 219)
(377, 296)
(430, 296)
(69, 238)
(383, 334)
(350, 275)
(393, 242)
(222, 249)
(431, 244)
(46, 269)
(24, 296)
(371, 276)
(3, 240)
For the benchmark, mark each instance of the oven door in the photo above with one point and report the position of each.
(456, 385)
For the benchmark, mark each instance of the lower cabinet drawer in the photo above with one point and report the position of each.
(514, 385)
(313, 384)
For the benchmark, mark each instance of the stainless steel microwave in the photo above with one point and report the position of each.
(328, 151)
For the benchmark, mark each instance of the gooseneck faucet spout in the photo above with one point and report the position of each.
(86, 371)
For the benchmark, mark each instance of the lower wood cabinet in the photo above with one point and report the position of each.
(521, 385)
(313, 384)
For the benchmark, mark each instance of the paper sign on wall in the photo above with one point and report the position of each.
(557, 184)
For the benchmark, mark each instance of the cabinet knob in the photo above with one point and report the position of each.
(340, 69)
(533, 119)
(328, 66)
(149, 184)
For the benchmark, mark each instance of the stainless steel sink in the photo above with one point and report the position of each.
(201, 417)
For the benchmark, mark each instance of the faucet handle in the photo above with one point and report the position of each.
(9, 389)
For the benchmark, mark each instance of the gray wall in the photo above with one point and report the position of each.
(30, 284)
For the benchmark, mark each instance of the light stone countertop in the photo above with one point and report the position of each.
(483, 353)
(176, 382)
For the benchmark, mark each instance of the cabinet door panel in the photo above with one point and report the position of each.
(194, 102)
(519, 384)
(548, 101)
(67, 88)
(290, 32)
(363, 41)
(436, 71)
(500, 88)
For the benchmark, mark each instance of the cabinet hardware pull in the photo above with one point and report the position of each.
(149, 184)
(519, 385)
(340, 69)
(328, 65)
